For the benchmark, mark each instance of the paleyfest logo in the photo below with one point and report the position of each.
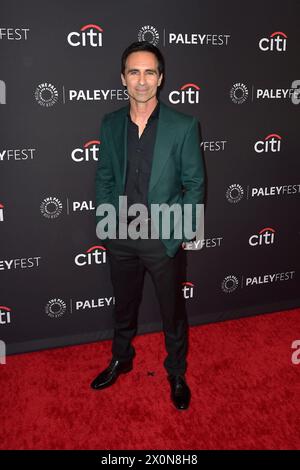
(89, 35)
(239, 93)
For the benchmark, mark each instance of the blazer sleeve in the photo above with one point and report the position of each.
(105, 182)
(192, 170)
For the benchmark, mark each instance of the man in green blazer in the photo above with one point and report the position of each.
(150, 155)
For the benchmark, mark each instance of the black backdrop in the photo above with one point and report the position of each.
(233, 65)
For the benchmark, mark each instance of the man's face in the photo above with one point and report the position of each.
(141, 76)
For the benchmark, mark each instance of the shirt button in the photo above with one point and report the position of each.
(136, 170)
(138, 150)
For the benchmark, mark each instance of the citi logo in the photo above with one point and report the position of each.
(271, 143)
(88, 152)
(264, 237)
(188, 290)
(189, 93)
(1, 212)
(276, 42)
(94, 255)
(4, 315)
(89, 35)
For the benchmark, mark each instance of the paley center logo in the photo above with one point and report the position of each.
(271, 143)
(46, 94)
(188, 93)
(94, 255)
(148, 33)
(89, 151)
(276, 42)
(234, 193)
(229, 284)
(89, 35)
(266, 236)
(239, 93)
(55, 308)
(5, 315)
(51, 207)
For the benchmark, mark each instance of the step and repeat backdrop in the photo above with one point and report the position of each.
(234, 66)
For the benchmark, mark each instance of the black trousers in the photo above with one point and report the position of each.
(128, 261)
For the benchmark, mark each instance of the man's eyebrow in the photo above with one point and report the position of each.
(146, 70)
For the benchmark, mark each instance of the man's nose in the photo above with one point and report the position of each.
(142, 79)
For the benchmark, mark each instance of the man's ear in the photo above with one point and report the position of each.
(123, 80)
(160, 79)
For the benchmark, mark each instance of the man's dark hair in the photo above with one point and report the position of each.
(143, 46)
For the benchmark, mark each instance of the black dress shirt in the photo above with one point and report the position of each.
(139, 159)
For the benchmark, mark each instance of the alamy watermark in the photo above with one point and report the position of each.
(296, 354)
(176, 221)
(2, 352)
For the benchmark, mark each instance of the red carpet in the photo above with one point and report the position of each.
(245, 393)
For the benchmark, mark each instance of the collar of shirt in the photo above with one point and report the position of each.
(153, 115)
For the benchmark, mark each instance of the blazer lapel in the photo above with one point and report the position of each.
(119, 138)
(162, 145)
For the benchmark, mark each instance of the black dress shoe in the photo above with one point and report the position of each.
(180, 392)
(108, 376)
